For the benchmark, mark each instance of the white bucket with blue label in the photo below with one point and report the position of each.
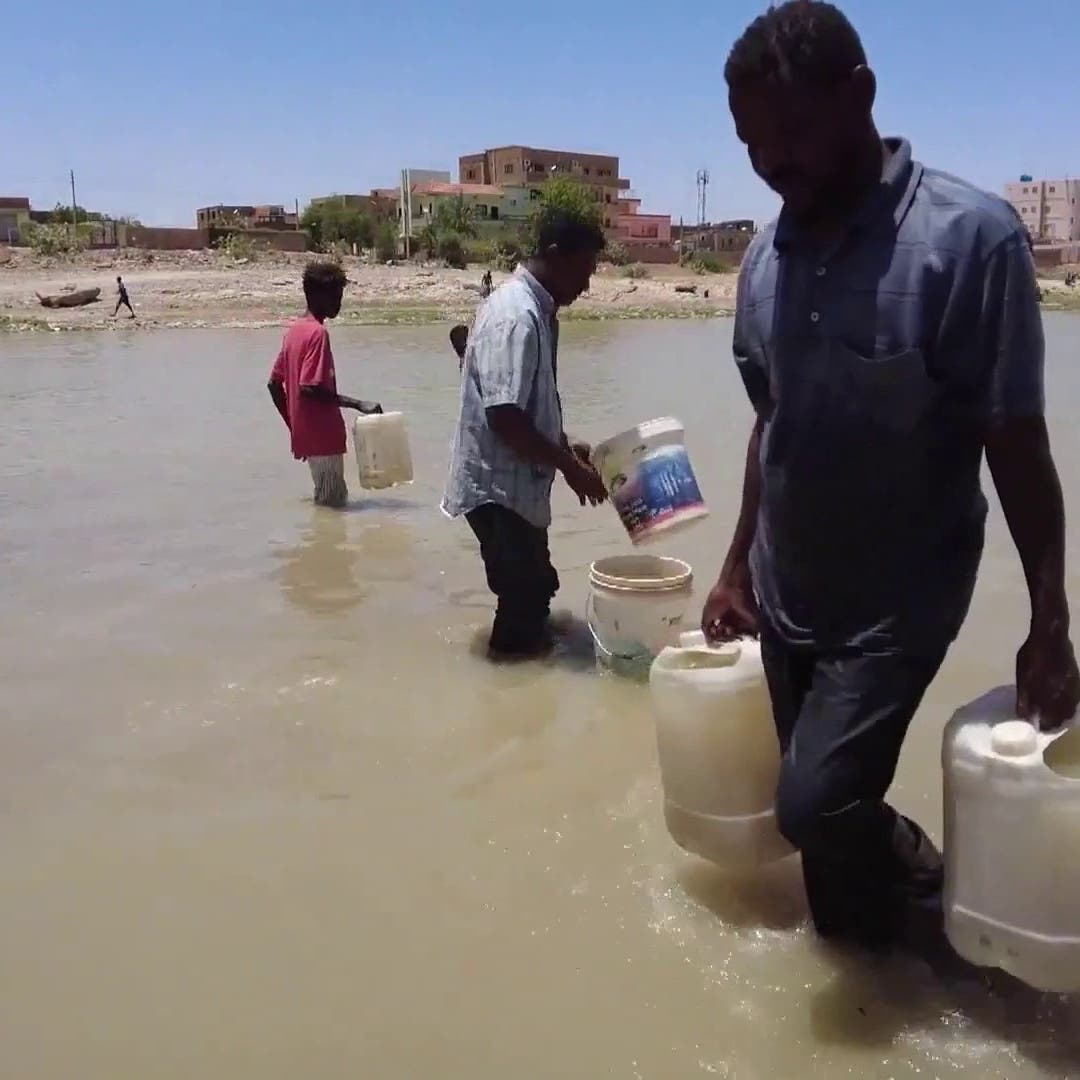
(649, 479)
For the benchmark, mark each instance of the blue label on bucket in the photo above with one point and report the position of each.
(661, 487)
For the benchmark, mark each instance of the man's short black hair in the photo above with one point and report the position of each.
(807, 42)
(323, 276)
(570, 233)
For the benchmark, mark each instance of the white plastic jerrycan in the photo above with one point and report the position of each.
(1012, 843)
(382, 450)
(719, 756)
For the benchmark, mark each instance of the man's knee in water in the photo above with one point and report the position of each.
(811, 813)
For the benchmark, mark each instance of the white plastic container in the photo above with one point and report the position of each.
(1012, 843)
(648, 476)
(637, 604)
(382, 450)
(719, 755)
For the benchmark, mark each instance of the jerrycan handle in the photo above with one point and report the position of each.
(727, 655)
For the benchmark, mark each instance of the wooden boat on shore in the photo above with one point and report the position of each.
(74, 298)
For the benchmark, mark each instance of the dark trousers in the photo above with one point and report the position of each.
(519, 573)
(872, 876)
(123, 302)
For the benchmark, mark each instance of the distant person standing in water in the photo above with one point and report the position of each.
(510, 441)
(303, 386)
(486, 286)
(122, 299)
(888, 333)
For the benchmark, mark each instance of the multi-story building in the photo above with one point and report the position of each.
(1050, 209)
(529, 168)
(269, 216)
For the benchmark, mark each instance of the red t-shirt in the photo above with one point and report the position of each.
(318, 429)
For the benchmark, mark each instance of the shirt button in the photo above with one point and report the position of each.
(815, 317)
(821, 271)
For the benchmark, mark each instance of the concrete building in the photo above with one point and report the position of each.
(1050, 209)
(721, 237)
(632, 226)
(492, 205)
(14, 217)
(267, 216)
(529, 167)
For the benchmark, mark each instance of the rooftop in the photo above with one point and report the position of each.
(14, 202)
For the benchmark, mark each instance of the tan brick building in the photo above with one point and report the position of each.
(1049, 208)
(529, 167)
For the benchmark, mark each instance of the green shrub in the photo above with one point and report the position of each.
(54, 239)
(386, 241)
(634, 271)
(616, 253)
(328, 222)
(237, 246)
(709, 262)
(451, 250)
(480, 251)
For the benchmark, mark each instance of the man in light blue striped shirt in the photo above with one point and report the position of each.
(510, 442)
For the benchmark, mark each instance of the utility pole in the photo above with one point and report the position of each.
(74, 207)
(296, 208)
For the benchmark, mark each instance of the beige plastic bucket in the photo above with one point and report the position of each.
(637, 607)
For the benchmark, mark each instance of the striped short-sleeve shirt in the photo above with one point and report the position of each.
(510, 360)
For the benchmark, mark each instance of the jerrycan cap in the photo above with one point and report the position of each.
(700, 652)
(1014, 738)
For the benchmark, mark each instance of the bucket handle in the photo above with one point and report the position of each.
(608, 654)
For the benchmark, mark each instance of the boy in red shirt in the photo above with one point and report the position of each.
(304, 388)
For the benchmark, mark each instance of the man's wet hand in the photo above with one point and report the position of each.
(730, 610)
(584, 481)
(1047, 678)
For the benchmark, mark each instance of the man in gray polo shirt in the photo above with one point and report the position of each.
(888, 334)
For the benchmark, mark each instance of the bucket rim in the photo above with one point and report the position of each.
(620, 583)
(647, 429)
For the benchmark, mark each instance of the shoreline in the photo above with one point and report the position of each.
(208, 290)
(205, 289)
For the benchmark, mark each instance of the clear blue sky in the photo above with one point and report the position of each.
(160, 108)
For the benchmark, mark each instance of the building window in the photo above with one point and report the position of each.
(1052, 189)
(508, 168)
(470, 174)
(494, 213)
(588, 171)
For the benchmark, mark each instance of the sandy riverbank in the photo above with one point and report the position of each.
(206, 289)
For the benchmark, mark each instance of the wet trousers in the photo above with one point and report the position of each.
(872, 876)
(519, 572)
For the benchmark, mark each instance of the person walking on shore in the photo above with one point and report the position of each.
(888, 334)
(122, 299)
(303, 386)
(510, 442)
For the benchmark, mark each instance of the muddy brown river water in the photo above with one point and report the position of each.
(264, 811)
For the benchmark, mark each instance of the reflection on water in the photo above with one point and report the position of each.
(267, 812)
(318, 573)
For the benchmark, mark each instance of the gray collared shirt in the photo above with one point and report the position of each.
(510, 360)
(877, 368)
